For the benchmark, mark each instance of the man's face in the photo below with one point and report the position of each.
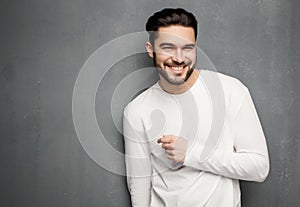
(174, 53)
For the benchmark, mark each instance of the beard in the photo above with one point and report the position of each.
(174, 79)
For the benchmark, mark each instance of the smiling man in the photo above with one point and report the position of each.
(174, 56)
(169, 127)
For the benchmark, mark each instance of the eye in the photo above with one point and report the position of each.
(189, 48)
(167, 48)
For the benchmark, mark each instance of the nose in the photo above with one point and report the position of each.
(178, 56)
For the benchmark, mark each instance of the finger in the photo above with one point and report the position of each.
(167, 146)
(171, 157)
(170, 152)
(166, 139)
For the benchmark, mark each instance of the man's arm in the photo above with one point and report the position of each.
(138, 165)
(248, 160)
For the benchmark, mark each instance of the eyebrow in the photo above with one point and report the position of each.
(172, 45)
(190, 45)
(166, 44)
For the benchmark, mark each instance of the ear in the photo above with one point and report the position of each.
(149, 49)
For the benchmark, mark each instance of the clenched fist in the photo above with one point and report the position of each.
(174, 146)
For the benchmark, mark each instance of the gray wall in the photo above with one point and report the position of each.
(43, 46)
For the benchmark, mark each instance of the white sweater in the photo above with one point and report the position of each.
(225, 143)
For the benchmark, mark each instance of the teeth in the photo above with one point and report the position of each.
(177, 68)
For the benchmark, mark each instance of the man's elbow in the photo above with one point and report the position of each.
(262, 170)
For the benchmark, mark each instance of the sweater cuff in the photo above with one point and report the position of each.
(192, 155)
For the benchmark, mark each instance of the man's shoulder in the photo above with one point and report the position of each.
(139, 103)
(229, 83)
(231, 88)
(225, 79)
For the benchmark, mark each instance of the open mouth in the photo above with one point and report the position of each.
(176, 69)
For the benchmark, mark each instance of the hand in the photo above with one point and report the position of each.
(174, 146)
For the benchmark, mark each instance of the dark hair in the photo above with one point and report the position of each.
(168, 17)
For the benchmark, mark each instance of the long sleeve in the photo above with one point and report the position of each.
(138, 165)
(248, 159)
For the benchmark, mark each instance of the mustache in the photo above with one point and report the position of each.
(176, 64)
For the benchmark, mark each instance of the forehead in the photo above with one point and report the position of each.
(175, 34)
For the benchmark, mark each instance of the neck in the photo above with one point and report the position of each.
(178, 89)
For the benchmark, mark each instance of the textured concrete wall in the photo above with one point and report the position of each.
(44, 44)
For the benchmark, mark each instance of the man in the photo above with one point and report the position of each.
(176, 152)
